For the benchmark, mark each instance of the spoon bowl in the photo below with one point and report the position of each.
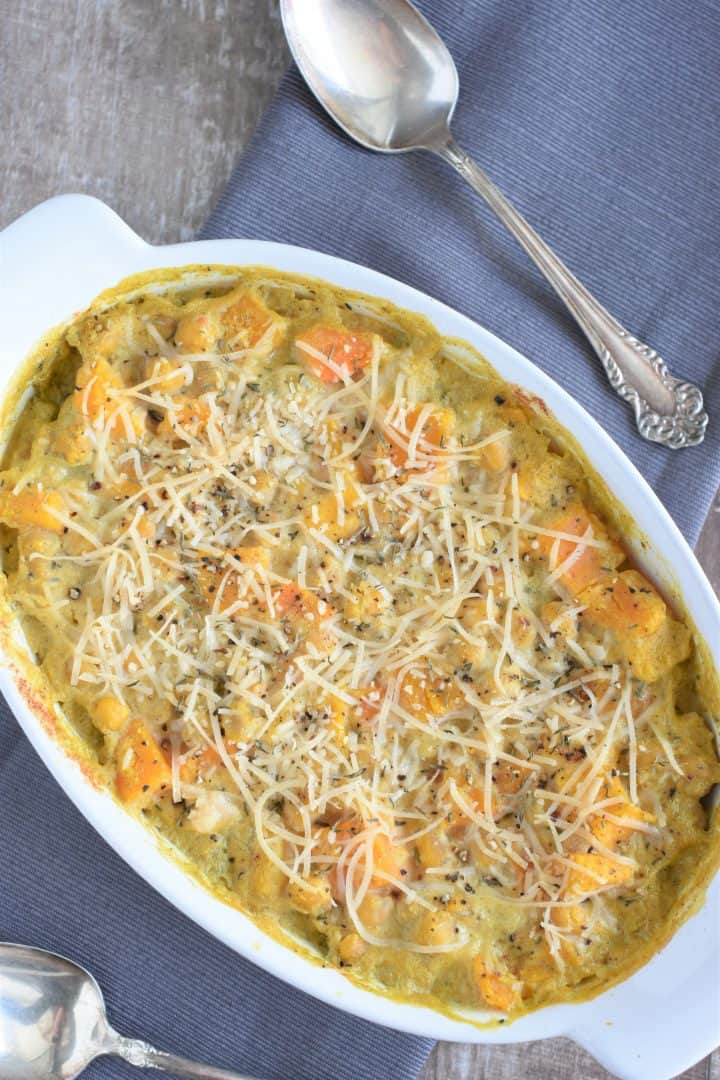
(386, 77)
(378, 68)
(53, 1023)
(52, 1016)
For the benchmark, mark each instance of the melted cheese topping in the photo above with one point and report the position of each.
(353, 619)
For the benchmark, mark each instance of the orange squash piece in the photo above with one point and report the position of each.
(572, 918)
(326, 517)
(298, 603)
(609, 832)
(457, 818)
(247, 319)
(94, 381)
(212, 579)
(32, 508)
(307, 613)
(437, 426)
(187, 419)
(342, 715)
(496, 991)
(203, 761)
(198, 763)
(626, 603)
(388, 858)
(142, 769)
(423, 694)
(213, 576)
(593, 562)
(238, 320)
(592, 871)
(251, 555)
(323, 349)
(169, 375)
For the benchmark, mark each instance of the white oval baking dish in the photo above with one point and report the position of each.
(53, 262)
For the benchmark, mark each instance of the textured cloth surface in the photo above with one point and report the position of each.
(601, 122)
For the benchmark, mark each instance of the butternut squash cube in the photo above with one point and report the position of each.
(592, 562)
(495, 990)
(32, 508)
(626, 603)
(592, 871)
(332, 352)
(142, 769)
(437, 426)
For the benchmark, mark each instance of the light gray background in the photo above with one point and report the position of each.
(147, 104)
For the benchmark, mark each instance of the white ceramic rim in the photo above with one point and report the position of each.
(665, 1017)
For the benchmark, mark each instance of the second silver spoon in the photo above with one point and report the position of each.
(53, 1023)
(386, 77)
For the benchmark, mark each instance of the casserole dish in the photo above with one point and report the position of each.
(41, 293)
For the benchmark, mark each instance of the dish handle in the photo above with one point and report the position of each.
(51, 260)
(672, 1019)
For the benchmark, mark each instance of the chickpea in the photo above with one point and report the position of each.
(367, 600)
(170, 376)
(109, 713)
(434, 928)
(462, 653)
(351, 948)
(495, 990)
(312, 896)
(432, 849)
(268, 880)
(473, 611)
(495, 456)
(375, 909)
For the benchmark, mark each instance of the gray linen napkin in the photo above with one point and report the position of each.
(603, 122)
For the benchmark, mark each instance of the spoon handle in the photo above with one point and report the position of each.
(145, 1056)
(667, 410)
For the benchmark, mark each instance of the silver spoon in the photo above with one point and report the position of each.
(384, 75)
(53, 1023)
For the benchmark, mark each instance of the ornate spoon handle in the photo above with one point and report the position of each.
(144, 1056)
(667, 410)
